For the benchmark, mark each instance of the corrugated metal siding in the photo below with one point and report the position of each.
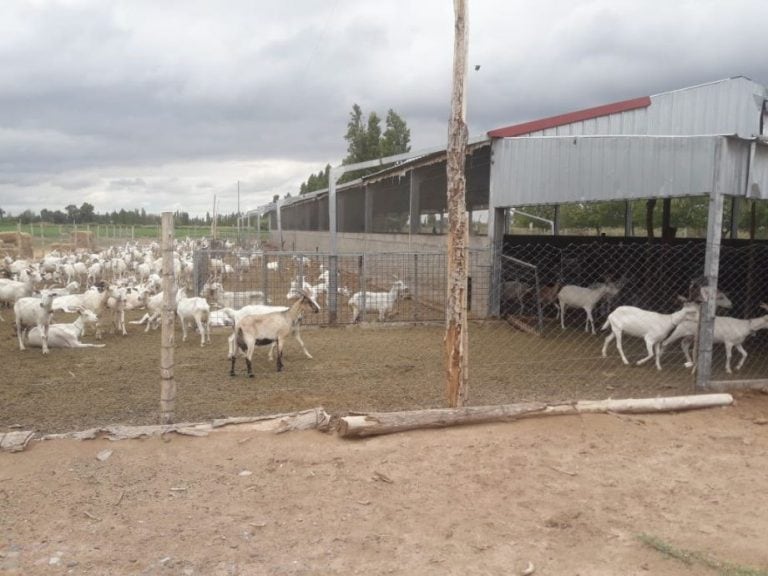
(534, 171)
(731, 106)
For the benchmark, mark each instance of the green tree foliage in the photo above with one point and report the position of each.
(366, 141)
(317, 181)
(397, 136)
(87, 212)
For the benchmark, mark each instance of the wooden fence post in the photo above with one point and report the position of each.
(167, 382)
(456, 337)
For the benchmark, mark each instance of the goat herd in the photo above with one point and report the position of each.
(656, 329)
(126, 278)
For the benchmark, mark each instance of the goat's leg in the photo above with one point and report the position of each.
(608, 340)
(728, 354)
(743, 353)
(620, 348)
(590, 321)
(297, 335)
(657, 348)
(44, 337)
(249, 367)
(201, 330)
(279, 354)
(232, 367)
(20, 334)
(562, 315)
(649, 346)
(686, 347)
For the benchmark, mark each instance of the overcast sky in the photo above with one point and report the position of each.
(160, 104)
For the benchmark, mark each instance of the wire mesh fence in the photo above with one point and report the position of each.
(382, 320)
(562, 295)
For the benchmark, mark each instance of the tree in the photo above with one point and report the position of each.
(365, 141)
(73, 212)
(2, 213)
(86, 212)
(275, 198)
(397, 136)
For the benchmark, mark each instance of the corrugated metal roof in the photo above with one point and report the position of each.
(570, 118)
(729, 106)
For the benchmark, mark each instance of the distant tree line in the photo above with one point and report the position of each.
(86, 214)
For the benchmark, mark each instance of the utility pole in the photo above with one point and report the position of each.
(456, 336)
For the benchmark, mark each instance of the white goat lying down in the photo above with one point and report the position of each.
(731, 332)
(586, 298)
(652, 327)
(381, 302)
(66, 335)
(262, 329)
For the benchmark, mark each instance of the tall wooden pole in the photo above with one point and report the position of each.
(167, 382)
(456, 340)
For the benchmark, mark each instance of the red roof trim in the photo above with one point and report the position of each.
(578, 116)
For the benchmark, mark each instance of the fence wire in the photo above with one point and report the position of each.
(521, 347)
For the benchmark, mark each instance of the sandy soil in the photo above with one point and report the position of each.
(569, 494)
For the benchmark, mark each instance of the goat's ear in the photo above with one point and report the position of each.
(764, 306)
(683, 299)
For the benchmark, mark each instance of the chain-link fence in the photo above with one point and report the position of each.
(550, 288)
(521, 346)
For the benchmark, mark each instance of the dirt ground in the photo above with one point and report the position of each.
(571, 495)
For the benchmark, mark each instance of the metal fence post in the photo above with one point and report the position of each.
(333, 293)
(361, 273)
(264, 278)
(415, 286)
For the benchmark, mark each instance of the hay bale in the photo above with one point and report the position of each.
(18, 244)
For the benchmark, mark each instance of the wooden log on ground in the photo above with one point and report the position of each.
(390, 422)
(523, 324)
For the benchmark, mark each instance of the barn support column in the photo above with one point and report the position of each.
(556, 221)
(368, 209)
(279, 210)
(711, 270)
(735, 215)
(415, 203)
(497, 228)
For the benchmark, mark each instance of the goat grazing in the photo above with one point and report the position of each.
(262, 329)
(31, 311)
(652, 327)
(586, 298)
(381, 302)
(731, 332)
(65, 335)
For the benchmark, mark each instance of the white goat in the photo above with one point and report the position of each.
(225, 299)
(259, 309)
(382, 302)
(31, 311)
(153, 314)
(260, 330)
(194, 308)
(731, 332)
(652, 327)
(65, 335)
(94, 299)
(586, 298)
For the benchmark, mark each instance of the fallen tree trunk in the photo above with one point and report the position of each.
(390, 422)
(372, 424)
